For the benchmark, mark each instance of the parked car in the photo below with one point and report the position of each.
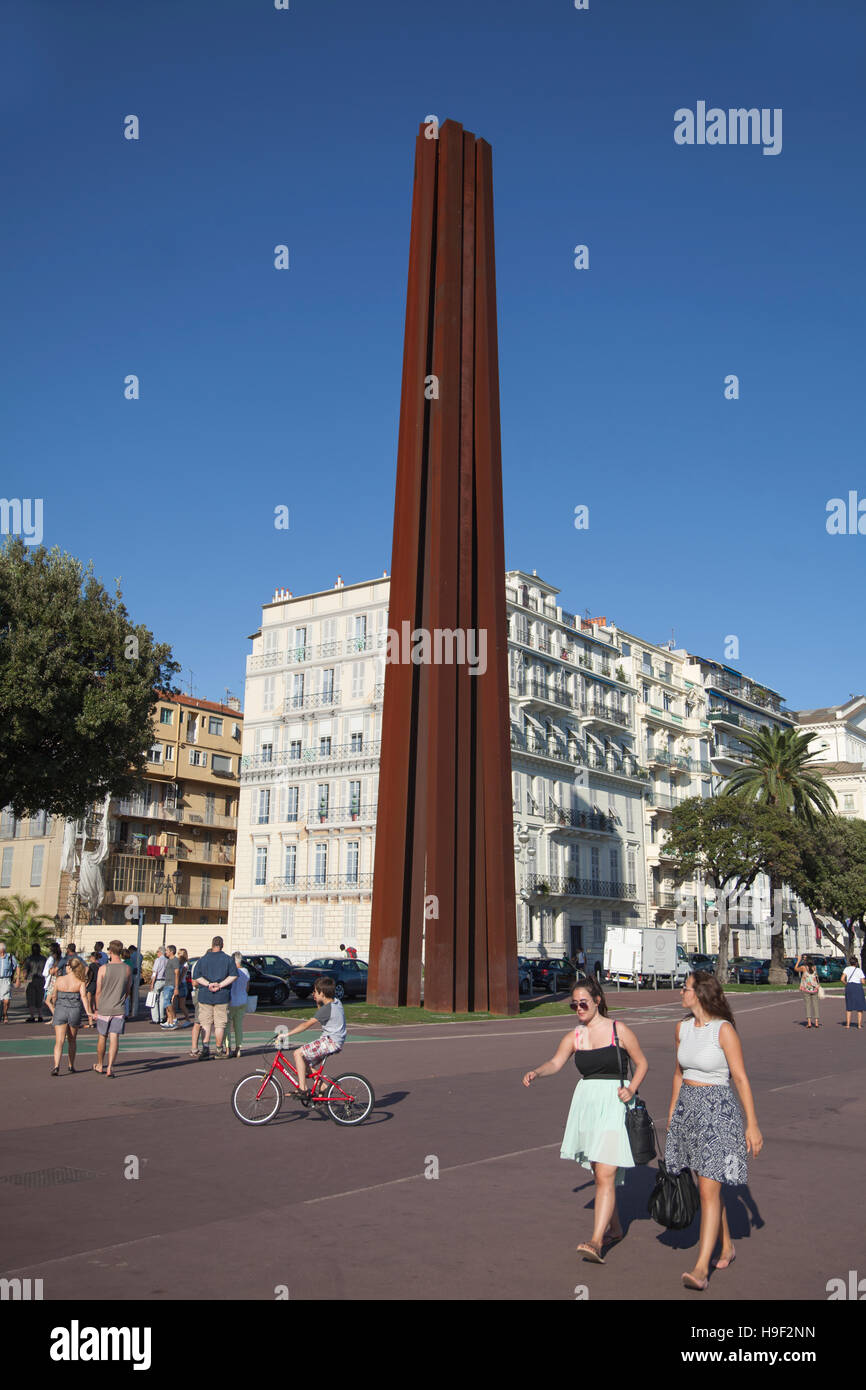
(697, 961)
(830, 968)
(349, 976)
(553, 974)
(744, 969)
(268, 989)
(524, 977)
(273, 965)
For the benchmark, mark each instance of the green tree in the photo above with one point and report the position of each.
(22, 927)
(78, 684)
(781, 773)
(722, 837)
(832, 875)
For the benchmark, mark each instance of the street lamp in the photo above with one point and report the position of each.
(169, 884)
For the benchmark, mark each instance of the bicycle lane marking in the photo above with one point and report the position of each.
(454, 1168)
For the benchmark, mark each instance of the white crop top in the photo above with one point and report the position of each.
(699, 1054)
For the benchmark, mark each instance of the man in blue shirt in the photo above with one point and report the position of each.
(215, 974)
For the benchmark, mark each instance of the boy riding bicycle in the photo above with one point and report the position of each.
(333, 1021)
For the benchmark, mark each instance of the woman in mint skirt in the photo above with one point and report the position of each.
(595, 1133)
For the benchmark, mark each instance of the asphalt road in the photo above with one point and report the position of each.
(305, 1208)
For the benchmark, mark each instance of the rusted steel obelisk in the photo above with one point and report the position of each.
(444, 870)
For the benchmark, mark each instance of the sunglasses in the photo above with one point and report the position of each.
(582, 1005)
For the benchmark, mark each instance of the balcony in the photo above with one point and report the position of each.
(208, 818)
(597, 713)
(731, 753)
(257, 762)
(578, 887)
(662, 716)
(754, 694)
(663, 801)
(678, 762)
(327, 883)
(663, 898)
(528, 744)
(595, 664)
(538, 692)
(294, 704)
(580, 820)
(343, 815)
(150, 810)
(617, 767)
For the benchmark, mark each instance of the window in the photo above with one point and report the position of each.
(849, 802)
(328, 685)
(261, 877)
(36, 866)
(593, 864)
(155, 755)
(321, 863)
(616, 918)
(357, 743)
(645, 693)
(266, 751)
(324, 791)
(626, 648)
(192, 729)
(197, 758)
(353, 859)
(214, 725)
(269, 693)
(257, 926)
(169, 753)
(264, 806)
(166, 716)
(357, 680)
(6, 870)
(287, 922)
(350, 924)
(325, 746)
(299, 644)
(317, 923)
(7, 825)
(39, 824)
(614, 865)
(291, 804)
(667, 702)
(298, 690)
(221, 763)
(294, 750)
(290, 865)
(358, 641)
(354, 799)
(632, 866)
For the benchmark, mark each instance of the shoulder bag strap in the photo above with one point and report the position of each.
(619, 1057)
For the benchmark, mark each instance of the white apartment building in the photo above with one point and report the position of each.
(309, 772)
(840, 743)
(608, 733)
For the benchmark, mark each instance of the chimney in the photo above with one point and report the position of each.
(339, 583)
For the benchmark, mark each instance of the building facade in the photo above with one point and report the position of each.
(170, 846)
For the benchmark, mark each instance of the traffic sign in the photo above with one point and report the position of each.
(166, 918)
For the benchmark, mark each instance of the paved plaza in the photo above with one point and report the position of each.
(223, 1211)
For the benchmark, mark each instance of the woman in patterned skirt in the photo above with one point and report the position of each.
(595, 1133)
(705, 1126)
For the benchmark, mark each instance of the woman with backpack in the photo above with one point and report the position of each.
(810, 988)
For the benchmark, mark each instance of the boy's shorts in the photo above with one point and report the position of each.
(322, 1047)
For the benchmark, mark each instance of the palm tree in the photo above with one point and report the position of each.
(780, 772)
(21, 926)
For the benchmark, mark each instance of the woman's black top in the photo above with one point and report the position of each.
(601, 1063)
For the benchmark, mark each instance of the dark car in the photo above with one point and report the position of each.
(272, 965)
(349, 976)
(553, 974)
(697, 961)
(524, 977)
(268, 989)
(745, 969)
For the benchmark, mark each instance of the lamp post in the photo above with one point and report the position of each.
(167, 883)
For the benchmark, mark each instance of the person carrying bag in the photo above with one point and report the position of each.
(638, 1122)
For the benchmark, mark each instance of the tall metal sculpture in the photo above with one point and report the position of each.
(444, 869)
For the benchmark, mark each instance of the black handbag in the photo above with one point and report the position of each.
(638, 1122)
(674, 1200)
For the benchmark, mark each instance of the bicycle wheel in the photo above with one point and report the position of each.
(252, 1111)
(350, 1099)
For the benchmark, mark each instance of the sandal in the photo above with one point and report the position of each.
(591, 1252)
(690, 1282)
(55, 1071)
(724, 1264)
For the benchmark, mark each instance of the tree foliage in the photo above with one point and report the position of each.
(22, 927)
(78, 684)
(831, 876)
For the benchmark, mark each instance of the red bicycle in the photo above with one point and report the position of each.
(256, 1099)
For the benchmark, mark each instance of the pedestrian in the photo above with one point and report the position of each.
(70, 1008)
(215, 974)
(157, 981)
(238, 1005)
(580, 961)
(595, 1131)
(809, 987)
(705, 1124)
(184, 989)
(99, 947)
(113, 984)
(855, 1002)
(8, 971)
(52, 966)
(31, 971)
(597, 969)
(92, 974)
(171, 987)
(70, 956)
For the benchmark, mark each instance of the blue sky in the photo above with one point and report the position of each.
(260, 388)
